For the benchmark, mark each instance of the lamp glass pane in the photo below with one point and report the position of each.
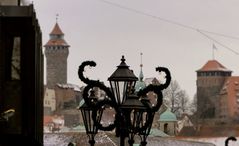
(135, 118)
(88, 121)
(114, 89)
(122, 90)
(145, 117)
(119, 89)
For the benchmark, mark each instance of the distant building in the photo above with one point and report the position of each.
(151, 80)
(61, 98)
(185, 127)
(184, 122)
(49, 102)
(217, 94)
(168, 123)
(67, 96)
(53, 124)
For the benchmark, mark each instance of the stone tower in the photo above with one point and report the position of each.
(210, 79)
(56, 51)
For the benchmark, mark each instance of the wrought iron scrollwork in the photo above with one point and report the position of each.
(99, 104)
(92, 83)
(122, 123)
(157, 89)
(82, 69)
(231, 138)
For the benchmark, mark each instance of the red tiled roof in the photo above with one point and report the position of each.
(47, 119)
(213, 65)
(56, 42)
(57, 30)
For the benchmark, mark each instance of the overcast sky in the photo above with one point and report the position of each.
(99, 31)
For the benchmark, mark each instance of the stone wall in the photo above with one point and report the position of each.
(56, 64)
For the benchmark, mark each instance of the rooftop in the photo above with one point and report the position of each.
(56, 30)
(56, 37)
(214, 65)
(167, 116)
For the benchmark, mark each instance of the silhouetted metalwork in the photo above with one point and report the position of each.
(231, 138)
(134, 112)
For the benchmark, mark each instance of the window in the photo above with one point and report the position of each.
(16, 59)
(165, 128)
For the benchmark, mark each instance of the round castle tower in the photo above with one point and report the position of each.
(210, 79)
(56, 51)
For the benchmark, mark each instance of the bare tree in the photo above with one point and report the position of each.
(176, 98)
(193, 105)
(184, 103)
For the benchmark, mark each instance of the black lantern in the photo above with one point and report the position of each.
(122, 81)
(87, 112)
(133, 113)
(134, 110)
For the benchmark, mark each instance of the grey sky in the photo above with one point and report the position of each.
(101, 32)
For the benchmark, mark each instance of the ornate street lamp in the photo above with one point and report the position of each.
(133, 113)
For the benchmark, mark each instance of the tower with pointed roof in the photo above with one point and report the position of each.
(140, 83)
(56, 51)
(210, 80)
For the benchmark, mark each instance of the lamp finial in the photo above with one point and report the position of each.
(123, 59)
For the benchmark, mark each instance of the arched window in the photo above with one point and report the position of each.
(165, 128)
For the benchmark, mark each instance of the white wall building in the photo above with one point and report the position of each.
(50, 99)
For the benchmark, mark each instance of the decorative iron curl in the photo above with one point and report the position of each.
(157, 89)
(98, 107)
(168, 76)
(148, 121)
(82, 69)
(96, 104)
(231, 138)
(91, 83)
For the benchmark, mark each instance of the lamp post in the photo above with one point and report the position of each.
(133, 112)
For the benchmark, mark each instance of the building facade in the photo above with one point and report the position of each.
(21, 76)
(61, 98)
(168, 123)
(217, 94)
(49, 102)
